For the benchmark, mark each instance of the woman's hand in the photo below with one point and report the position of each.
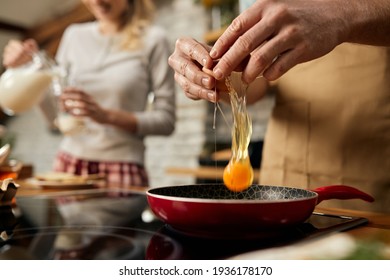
(17, 53)
(77, 102)
(188, 60)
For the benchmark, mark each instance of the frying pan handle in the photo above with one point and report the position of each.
(341, 192)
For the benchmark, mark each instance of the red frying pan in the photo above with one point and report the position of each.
(210, 209)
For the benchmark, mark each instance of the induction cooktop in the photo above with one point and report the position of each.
(117, 224)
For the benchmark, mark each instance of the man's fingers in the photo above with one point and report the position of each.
(281, 65)
(186, 68)
(239, 26)
(196, 51)
(243, 46)
(194, 91)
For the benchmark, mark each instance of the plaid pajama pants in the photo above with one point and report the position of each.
(123, 173)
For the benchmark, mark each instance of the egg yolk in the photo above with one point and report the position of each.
(238, 175)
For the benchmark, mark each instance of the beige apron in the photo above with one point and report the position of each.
(331, 125)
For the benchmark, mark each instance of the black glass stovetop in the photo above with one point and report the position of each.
(110, 225)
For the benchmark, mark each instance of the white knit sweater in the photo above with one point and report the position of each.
(122, 80)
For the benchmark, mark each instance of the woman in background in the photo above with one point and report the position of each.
(113, 63)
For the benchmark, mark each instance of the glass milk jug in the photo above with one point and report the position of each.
(23, 87)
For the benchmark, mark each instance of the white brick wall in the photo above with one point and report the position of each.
(182, 149)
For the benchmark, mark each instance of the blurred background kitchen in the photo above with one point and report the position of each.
(194, 140)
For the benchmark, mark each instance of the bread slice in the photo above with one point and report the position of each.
(60, 177)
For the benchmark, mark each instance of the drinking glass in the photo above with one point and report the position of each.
(67, 123)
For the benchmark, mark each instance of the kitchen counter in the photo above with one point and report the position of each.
(375, 220)
(370, 241)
